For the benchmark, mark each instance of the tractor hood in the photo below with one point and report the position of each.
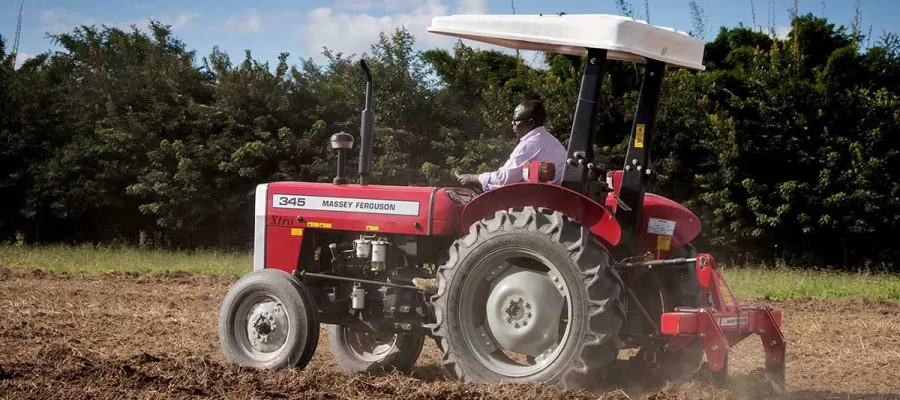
(365, 208)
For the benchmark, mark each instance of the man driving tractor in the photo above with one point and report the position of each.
(535, 144)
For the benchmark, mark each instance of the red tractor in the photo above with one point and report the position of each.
(532, 282)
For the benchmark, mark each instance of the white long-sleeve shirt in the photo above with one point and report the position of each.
(537, 145)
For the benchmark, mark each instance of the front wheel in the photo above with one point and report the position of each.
(357, 352)
(528, 296)
(269, 321)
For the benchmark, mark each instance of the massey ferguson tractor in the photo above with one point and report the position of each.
(533, 282)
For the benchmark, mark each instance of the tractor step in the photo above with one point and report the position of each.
(723, 323)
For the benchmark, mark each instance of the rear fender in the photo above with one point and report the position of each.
(666, 225)
(572, 204)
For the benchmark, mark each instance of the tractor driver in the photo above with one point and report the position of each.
(535, 144)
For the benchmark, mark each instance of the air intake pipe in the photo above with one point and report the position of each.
(366, 130)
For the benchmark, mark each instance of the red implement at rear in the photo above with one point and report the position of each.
(724, 322)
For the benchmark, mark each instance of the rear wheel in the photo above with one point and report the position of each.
(268, 320)
(357, 352)
(528, 296)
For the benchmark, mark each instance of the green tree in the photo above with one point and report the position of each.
(784, 148)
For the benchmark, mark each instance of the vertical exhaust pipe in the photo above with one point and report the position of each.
(366, 130)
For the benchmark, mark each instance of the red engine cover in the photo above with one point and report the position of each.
(293, 206)
(394, 209)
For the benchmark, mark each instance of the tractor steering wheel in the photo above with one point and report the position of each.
(476, 188)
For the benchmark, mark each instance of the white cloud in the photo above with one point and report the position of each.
(52, 14)
(21, 57)
(782, 32)
(354, 32)
(389, 5)
(346, 28)
(249, 22)
(59, 20)
(472, 7)
(182, 20)
(177, 21)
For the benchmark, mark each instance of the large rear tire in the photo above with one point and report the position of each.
(269, 320)
(558, 273)
(358, 352)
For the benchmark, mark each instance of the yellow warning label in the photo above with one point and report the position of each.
(639, 136)
(726, 294)
(326, 225)
(663, 242)
(296, 231)
(371, 227)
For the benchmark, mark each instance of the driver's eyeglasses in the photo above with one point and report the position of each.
(516, 121)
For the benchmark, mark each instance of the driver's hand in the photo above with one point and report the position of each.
(468, 179)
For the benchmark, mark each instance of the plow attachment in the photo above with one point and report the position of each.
(723, 323)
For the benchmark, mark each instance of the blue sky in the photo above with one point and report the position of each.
(303, 27)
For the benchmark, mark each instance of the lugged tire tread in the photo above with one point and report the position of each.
(606, 313)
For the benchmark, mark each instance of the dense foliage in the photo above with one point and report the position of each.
(784, 148)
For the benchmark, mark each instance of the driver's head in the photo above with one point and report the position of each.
(528, 115)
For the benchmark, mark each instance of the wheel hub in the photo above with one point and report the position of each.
(516, 310)
(369, 347)
(263, 325)
(523, 311)
(267, 326)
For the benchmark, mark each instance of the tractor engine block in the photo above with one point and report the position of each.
(358, 298)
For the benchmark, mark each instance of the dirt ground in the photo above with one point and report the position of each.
(126, 336)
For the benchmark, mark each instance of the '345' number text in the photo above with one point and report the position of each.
(292, 201)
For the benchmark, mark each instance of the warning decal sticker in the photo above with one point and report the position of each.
(366, 206)
(734, 321)
(663, 243)
(663, 227)
(639, 136)
(726, 294)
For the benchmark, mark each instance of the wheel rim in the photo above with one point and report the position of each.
(368, 347)
(513, 305)
(262, 327)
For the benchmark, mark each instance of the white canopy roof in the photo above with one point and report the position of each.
(625, 38)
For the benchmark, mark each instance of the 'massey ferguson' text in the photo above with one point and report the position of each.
(343, 204)
(362, 205)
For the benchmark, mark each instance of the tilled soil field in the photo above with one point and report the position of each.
(129, 336)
